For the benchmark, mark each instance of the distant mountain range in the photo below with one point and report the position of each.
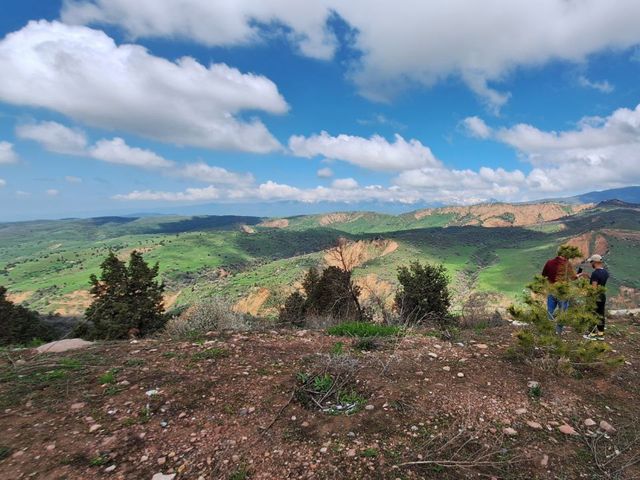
(626, 194)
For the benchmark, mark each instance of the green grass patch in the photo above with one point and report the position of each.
(363, 329)
(210, 354)
(108, 378)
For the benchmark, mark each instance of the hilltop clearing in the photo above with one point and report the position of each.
(230, 407)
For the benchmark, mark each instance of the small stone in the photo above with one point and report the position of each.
(433, 355)
(533, 384)
(460, 374)
(369, 407)
(323, 450)
(544, 461)
(521, 411)
(21, 361)
(162, 460)
(17, 454)
(162, 476)
(94, 427)
(77, 406)
(534, 425)
(567, 429)
(251, 409)
(110, 468)
(182, 415)
(144, 458)
(351, 452)
(446, 368)
(606, 427)
(482, 346)
(305, 424)
(51, 447)
(589, 422)
(510, 432)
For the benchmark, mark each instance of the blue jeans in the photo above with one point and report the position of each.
(552, 304)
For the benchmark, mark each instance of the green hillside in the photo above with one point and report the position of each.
(46, 264)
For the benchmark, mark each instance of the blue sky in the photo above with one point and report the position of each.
(282, 107)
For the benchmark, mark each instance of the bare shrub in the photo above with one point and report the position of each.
(478, 311)
(211, 315)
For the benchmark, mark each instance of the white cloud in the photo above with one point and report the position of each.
(344, 184)
(72, 179)
(215, 175)
(7, 154)
(190, 194)
(117, 151)
(3, 182)
(476, 127)
(52, 192)
(375, 153)
(54, 137)
(325, 172)
(599, 153)
(401, 43)
(22, 194)
(82, 73)
(602, 86)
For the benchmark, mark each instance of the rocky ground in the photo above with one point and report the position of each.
(229, 407)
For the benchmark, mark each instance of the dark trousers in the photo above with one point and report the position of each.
(600, 312)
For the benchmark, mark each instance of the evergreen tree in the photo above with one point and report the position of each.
(19, 325)
(423, 294)
(127, 299)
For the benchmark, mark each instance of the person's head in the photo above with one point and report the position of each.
(595, 261)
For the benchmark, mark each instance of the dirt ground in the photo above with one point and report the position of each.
(225, 408)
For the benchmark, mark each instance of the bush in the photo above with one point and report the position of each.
(539, 344)
(423, 294)
(330, 294)
(197, 320)
(127, 300)
(19, 325)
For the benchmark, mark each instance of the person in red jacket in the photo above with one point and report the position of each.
(557, 269)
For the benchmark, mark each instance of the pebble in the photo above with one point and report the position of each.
(521, 411)
(94, 427)
(51, 447)
(533, 384)
(162, 460)
(545, 461)
(446, 368)
(77, 406)
(144, 458)
(567, 429)
(482, 346)
(589, 422)
(534, 425)
(305, 424)
(369, 407)
(433, 355)
(460, 374)
(110, 468)
(162, 476)
(509, 431)
(351, 452)
(323, 450)
(607, 427)
(19, 453)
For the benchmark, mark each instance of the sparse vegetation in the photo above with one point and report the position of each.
(364, 329)
(208, 316)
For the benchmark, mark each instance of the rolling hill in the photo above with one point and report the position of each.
(256, 262)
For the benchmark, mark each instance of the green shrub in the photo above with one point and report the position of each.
(207, 316)
(21, 326)
(363, 329)
(127, 300)
(423, 295)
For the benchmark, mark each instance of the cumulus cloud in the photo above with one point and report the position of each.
(7, 154)
(22, 194)
(480, 42)
(374, 153)
(325, 172)
(52, 192)
(117, 151)
(344, 184)
(54, 137)
(217, 175)
(604, 86)
(601, 152)
(476, 127)
(82, 73)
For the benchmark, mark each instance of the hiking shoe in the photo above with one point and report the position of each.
(591, 336)
(600, 336)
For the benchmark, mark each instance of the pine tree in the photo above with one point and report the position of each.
(127, 299)
(19, 325)
(424, 293)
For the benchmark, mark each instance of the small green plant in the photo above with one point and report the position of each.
(323, 383)
(134, 362)
(4, 452)
(369, 453)
(337, 348)
(366, 344)
(535, 391)
(363, 329)
(241, 473)
(108, 378)
(99, 461)
(211, 354)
